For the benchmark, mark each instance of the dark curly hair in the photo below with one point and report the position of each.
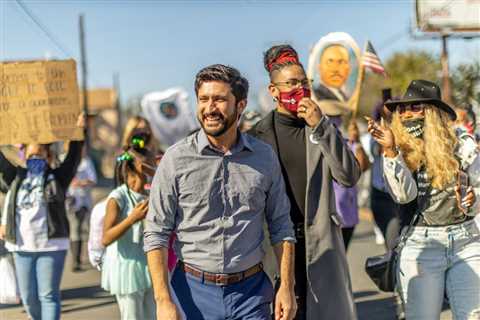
(227, 74)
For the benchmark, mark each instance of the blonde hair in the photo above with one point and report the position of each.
(130, 126)
(436, 151)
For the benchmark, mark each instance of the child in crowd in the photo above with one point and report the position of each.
(124, 269)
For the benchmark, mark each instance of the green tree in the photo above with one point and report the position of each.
(466, 84)
(402, 68)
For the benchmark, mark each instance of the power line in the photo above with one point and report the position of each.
(392, 39)
(43, 28)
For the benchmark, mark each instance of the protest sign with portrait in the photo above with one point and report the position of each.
(334, 67)
(169, 114)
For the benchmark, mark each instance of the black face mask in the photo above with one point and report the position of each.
(415, 127)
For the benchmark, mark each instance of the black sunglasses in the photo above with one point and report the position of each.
(410, 107)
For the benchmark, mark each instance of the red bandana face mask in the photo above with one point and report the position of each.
(291, 99)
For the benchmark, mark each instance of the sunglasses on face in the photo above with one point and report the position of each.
(410, 107)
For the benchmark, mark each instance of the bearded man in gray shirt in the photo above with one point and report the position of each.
(215, 189)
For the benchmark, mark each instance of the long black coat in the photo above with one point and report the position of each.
(329, 293)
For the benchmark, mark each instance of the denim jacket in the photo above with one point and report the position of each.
(402, 185)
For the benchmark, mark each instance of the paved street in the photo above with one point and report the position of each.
(83, 299)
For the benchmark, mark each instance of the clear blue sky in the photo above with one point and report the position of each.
(155, 45)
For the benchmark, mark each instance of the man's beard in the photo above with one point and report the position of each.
(225, 123)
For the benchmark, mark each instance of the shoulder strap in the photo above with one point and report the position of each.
(404, 234)
(416, 216)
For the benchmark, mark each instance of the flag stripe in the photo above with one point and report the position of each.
(371, 61)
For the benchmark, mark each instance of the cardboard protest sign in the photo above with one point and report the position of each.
(100, 99)
(334, 66)
(39, 102)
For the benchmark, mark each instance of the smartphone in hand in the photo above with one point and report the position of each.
(463, 184)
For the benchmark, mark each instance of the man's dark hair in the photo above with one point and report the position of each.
(227, 74)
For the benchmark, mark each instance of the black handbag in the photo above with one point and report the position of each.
(382, 269)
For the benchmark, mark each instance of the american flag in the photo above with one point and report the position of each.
(371, 61)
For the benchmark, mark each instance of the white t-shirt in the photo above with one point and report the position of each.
(31, 227)
(82, 195)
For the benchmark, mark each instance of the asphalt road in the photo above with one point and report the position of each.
(82, 298)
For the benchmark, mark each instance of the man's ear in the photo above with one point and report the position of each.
(241, 105)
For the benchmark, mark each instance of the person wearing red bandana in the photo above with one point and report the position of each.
(312, 154)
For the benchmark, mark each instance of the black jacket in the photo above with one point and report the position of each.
(54, 192)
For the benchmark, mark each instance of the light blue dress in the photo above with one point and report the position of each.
(124, 269)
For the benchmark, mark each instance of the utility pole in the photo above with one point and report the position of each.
(83, 66)
(446, 90)
(116, 86)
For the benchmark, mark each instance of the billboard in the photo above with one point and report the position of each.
(448, 16)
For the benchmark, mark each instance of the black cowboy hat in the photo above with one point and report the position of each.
(422, 91)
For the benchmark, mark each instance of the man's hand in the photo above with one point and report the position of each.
(167, 310)
(285, 303)
(309, 111)
(384, 136)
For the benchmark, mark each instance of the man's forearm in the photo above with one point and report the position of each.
(157, 264)
(285, 252)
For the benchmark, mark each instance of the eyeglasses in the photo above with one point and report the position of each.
(410, 107)
(294, 83)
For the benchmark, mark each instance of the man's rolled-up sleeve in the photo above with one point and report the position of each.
(277, 210)
(160, 220)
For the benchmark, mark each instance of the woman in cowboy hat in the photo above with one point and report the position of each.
(427, 161)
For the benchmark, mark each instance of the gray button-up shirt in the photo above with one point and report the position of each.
(217, 203)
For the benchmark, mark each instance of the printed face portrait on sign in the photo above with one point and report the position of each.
(169, 110)
(334, 68)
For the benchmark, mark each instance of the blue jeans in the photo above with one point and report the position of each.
(439, 260)
(248, 299)
(39, 275)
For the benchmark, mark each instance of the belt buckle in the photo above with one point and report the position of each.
(220, 279)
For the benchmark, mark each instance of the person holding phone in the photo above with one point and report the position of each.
(312, 153)
(437, 169)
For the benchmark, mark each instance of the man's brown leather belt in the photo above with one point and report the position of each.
(221, 279)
